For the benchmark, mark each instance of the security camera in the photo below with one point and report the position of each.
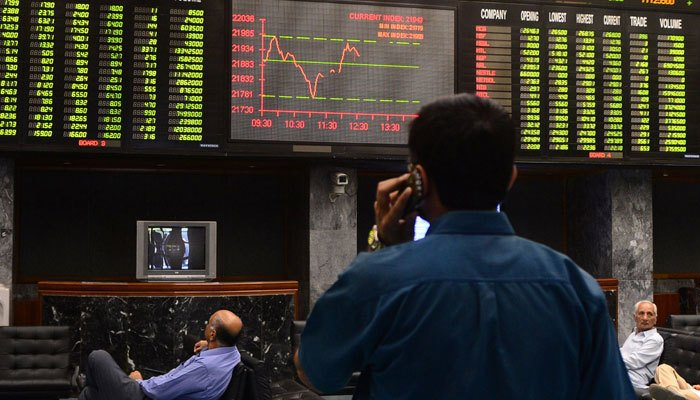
(340, 179)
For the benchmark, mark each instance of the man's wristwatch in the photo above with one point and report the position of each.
(373, 239)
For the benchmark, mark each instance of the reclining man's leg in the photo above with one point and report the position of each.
(668, 378)
(106, 381)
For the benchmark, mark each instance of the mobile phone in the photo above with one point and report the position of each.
(415, 182)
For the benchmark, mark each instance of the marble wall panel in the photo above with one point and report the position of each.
(330, 255)
(632, 239)
(632, 224)
(333, 229)
(7, 199)
(589, 231)
(610, 233)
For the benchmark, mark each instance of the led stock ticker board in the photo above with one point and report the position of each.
(600, 81)
(308, 72)
(593, 83)
(111, 75)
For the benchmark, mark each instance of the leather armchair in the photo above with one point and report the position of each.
(682, 352)
(35, 362)
(685, 322)
(251, 381)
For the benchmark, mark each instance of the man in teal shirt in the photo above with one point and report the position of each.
(471, 311)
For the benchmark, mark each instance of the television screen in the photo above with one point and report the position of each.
(176, 250)
(176, 247)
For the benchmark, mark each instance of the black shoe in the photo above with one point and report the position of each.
(662, 393)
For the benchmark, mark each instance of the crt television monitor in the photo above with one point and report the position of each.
(175, 250)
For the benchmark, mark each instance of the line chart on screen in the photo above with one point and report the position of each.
(335, 73)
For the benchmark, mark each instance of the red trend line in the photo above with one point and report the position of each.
(312, 86)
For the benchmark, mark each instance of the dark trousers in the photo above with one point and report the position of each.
(106, 381)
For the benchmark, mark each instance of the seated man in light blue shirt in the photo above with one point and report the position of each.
(204, 376)
(642, 349)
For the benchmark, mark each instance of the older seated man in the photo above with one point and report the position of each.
(642, 349)
(204, 376)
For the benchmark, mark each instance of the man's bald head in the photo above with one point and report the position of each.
(226, 327)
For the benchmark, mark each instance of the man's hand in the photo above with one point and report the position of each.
(696, 387)
(392, 196)
(136, 375)
(199, 346)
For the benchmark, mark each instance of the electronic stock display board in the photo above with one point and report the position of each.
(598, 84)
(591, 81)
(309, 72)
(101, 74)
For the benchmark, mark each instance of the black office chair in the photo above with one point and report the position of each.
(250, 381)
(237, 386)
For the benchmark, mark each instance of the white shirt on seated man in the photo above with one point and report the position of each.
(642, 349)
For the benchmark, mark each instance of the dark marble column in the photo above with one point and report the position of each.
(632, 241)
(610, 234)
(7, 199)
(589, 230)
(332, 228)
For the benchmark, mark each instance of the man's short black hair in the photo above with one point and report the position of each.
(467, 146)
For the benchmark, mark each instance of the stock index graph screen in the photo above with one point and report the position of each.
(308, 72)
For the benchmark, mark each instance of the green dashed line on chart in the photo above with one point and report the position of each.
(321, 39)
(286, 97)
(345, 64)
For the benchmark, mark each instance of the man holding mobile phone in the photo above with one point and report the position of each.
(472, 311)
